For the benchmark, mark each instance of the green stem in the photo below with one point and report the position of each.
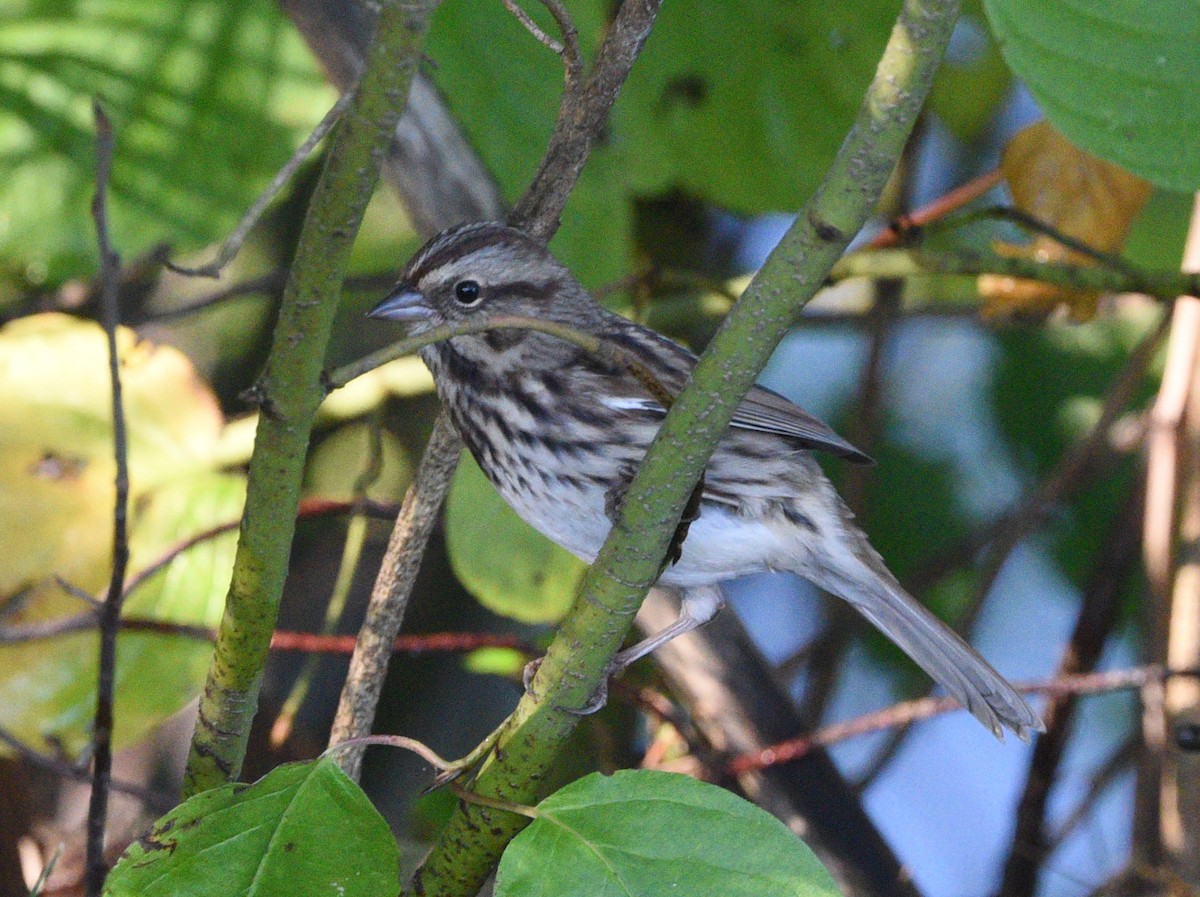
(905, 263)
(629, 562)
(290, 390)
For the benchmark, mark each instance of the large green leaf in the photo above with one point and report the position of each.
(209, 98)
(509, 567)
(745, 104)
(1118, 77)
(304, 828)
(643, 834)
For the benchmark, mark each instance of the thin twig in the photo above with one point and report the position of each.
(1105, 775)
(389, 597)
(582, 115)
(63, 769)
(898, 230)
(925, 708)
(231, 247)
(110, 614)
(532, 27)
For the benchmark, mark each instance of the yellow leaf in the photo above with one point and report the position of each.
(1077, 194)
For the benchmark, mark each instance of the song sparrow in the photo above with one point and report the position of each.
(560, 433)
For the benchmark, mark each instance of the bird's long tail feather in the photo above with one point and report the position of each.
(860, 577)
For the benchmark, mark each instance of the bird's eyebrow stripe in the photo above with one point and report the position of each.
(454, 249)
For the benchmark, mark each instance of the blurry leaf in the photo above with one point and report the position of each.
(208, 97)
(1117, 77)
(56, 519)
(1157, 236)
(1077, 194)
(495, 661)
(284, 835)
(643, 834)
(750, 130)
(509, 567)
(974, 78)
(48, 687)
(337, 465)
(56, 453)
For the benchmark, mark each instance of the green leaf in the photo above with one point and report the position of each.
(305, 828)
(1115, 76)
(208, 98)
(644, 834)
(974, 78)
(512, 569)
(752, 130)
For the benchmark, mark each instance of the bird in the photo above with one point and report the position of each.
(560, 432)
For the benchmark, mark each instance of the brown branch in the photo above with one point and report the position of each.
(1098, 612)
(908, 712)
(109, 615)
(581, 120)
(1177, 625)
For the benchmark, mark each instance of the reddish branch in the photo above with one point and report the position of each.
(925, 708)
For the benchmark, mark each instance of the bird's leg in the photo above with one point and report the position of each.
(698, 605)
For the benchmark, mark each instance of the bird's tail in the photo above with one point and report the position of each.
(854, 571)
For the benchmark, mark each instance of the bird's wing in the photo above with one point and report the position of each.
(761, 410)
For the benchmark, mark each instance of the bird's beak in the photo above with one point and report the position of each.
(404, 303)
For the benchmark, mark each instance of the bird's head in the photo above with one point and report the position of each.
(483, 271)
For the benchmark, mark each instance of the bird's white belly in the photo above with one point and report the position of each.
(719, 545)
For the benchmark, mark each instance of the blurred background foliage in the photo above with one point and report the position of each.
(965, 410)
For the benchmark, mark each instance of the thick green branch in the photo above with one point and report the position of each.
(290, 390)
(628, 564)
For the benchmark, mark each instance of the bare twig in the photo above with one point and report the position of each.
(389, 597)
(1179, 823)
(581, 120)
(898, 230)
(1098, 612)
(110, 614)
(925, 708)
(532, 27)
(1101, 780)
(63, 769)
(231, 247)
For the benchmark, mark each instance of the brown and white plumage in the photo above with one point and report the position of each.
(560, 433)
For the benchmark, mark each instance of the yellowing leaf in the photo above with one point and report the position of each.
(1077, 194)
(56, 449)
(56, 520)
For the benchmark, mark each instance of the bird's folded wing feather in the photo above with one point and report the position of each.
(761, 410)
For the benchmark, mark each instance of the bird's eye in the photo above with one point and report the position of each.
(468, 293)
